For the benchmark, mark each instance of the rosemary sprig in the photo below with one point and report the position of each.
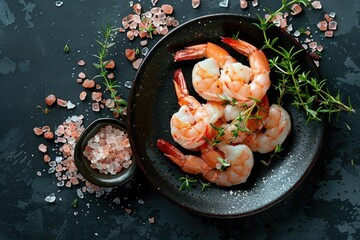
(102, 55)
(308, 93)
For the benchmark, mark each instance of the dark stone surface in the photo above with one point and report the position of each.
(33, 64)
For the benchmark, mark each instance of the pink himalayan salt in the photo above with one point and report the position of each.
(316, 4)
(332, 25)
(296, 9)
(96, 96)
(136, 63)
(137, 8)
(109, 150)
(42, 148)
(88, 83)
(167, 8)
(82, 95)
(38, 131)
(61, 102)
(322, 25)
(195, 3)
(243, 4)
(329, 33)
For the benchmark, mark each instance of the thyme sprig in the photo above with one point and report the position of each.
(308, 93)
(188, 182)
(240, 122)
(274, 154)
(102, 55)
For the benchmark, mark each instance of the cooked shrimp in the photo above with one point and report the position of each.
(206, 73)
(277, 127)
(239, 157)
(190, 124)
(241, 121)
(243, 88)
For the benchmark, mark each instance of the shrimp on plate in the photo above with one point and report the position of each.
(206, 73)
(277, 127)
(239, 158)
(238, 123)
(192, 122)
(243, 87)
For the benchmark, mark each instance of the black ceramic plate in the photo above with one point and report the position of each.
(153, 101)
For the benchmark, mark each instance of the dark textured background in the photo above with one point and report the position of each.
(33, 64)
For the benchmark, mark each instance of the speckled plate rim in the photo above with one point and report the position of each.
(141, 158)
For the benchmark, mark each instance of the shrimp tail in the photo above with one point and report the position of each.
(170, 151)
(239, 45)
(257, 58)
(180, 85)
(188, 163)
(182, 92)
(190, 53)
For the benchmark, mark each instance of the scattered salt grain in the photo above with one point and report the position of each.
(60, 183)
(329, 33)
(128, 84)
(151, 220)
(96, 96)
(130, 54)
(82, 95)
(332, 14)
(88, 83)
(80, 193)
(70, 105)
(316, 4)
(48, 135)
(136, 63)
(195, 3)
(224, 3)
(332, 25)
(50, 198)
(116, 200)
(140, 201)
(38, 173)
(82, 75)
(61, 102)
(58, 159)
(144, 51)
(167, 9)
(128, 210)
(95, 107)
(42, 148)
(137, 8)
(81, 63)
(296, 9)
(297, 33)
(59, 3)
(322, 25)
(243, 4)
(38, 131)
(50, 100)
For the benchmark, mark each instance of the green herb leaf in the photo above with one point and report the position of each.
(66, 48)
(74, 203)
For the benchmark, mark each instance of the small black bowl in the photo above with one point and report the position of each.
(83, 164)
